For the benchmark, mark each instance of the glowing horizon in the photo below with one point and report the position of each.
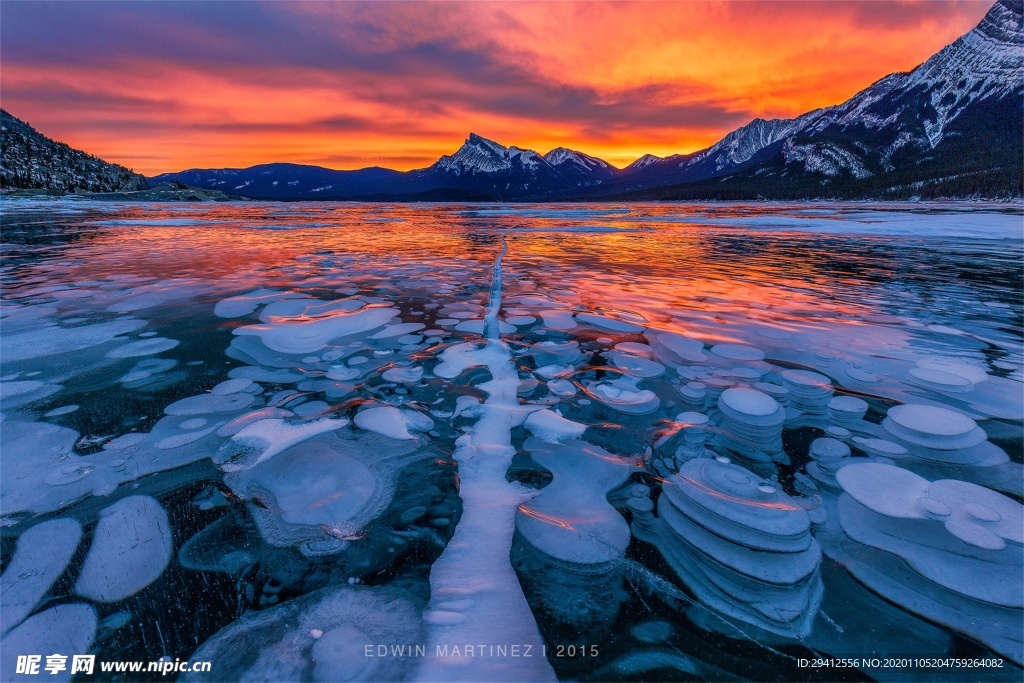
(166, 86)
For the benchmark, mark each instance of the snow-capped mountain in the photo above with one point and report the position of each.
(479, 155)
(951, 127)
(486, 166)
(957, 115)
(30, 160)
(649, 160)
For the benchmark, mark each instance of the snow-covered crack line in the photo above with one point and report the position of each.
(477, 604)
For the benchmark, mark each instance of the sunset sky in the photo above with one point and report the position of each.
(165, 86)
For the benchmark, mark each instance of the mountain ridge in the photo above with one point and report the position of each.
(30, 160)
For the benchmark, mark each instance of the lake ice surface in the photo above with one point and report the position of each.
(333, 425)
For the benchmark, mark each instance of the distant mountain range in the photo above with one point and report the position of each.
(952, 127)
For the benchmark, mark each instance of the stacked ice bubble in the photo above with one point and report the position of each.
(947, 550)
(941, 436)
(827, 456)
(739, 543)
(751, 423)
(808, 391)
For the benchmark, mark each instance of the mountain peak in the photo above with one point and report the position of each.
(1004, 21)
(480, 141)
(562, 155)
(644, 161)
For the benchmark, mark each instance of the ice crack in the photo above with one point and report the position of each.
(478, 614)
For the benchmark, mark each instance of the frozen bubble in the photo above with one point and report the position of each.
(131, 546)
(607, 322)
(562, 388)
(952, 551)
(14, 394)
(848, 404)
(398, 330)
(886, 489)
(733, 494)
(685, 348)
(407, 340)
(68, 628)
(477, 327)
(933, 426)
(410, 375)
(305, 335)
(311, 408)
(571, 519)
(863, 375)
(305, 307)
(635, 348)
(954, 366)
(554, 371)
(636, 366)
(624, 396)
(41, 556)
(939, 380)
(880, 447)
(342, 373)
(244, 304)
(231, 386)
(324, 490)
(210, 403)
(804, 380)
(392, 422)
(145, 347)
(280, 643)
(549, 426)
(263, 439)
(52, 340)
(738, 352)
(749, 402)
(558, 319)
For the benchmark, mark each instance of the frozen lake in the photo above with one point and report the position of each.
(639, 442)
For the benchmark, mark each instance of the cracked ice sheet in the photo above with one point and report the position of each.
(490, 608)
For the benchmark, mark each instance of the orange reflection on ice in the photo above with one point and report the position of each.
(768, 505)
(548, 519)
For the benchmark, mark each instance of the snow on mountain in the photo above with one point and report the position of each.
(561, 155)
(480, 155)
(643, 162)
(863, 136)
(740, 145)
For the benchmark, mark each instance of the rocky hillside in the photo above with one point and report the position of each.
(30, 160)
